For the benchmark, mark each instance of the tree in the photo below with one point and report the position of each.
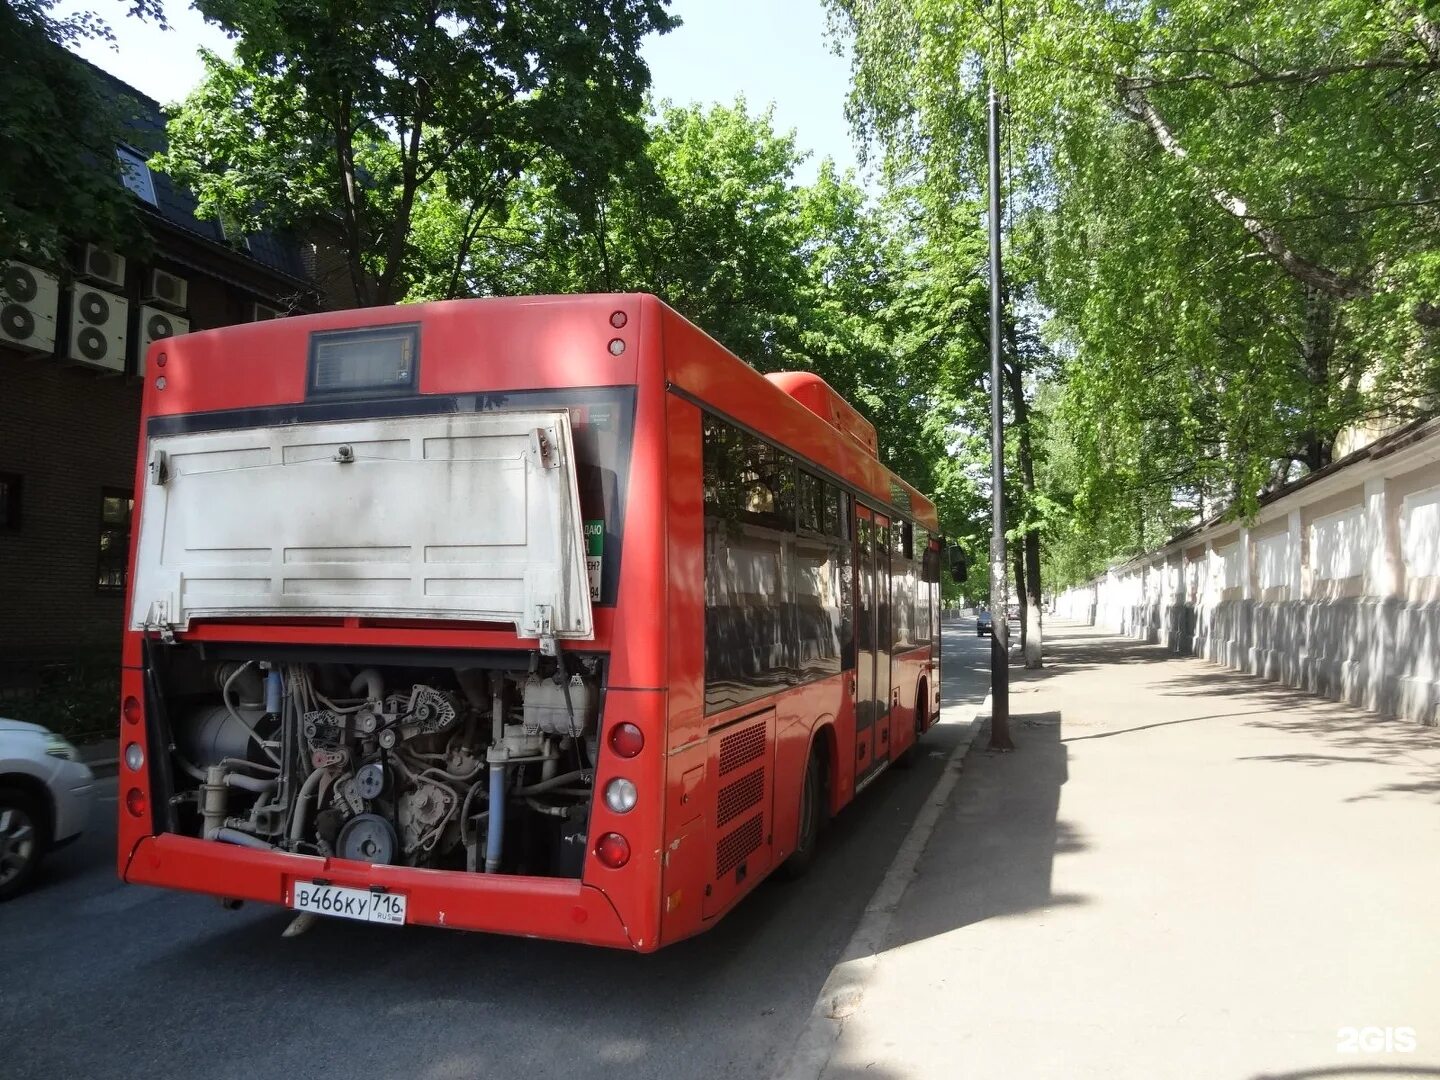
(1228, 220)
(58, 134)
(786, 275)
(348, 122)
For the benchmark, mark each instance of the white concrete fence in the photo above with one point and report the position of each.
(1334, 587)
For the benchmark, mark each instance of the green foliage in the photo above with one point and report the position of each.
(357, 124)
(1224, 216)
(711, 219)
(75, 699)
(58, 133)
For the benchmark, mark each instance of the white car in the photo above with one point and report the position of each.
(46, 792)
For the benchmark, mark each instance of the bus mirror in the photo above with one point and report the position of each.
(959, 564)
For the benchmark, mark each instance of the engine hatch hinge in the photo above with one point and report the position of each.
(545, 624)
(159, 469)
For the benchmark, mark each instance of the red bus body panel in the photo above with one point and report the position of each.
(654, 636)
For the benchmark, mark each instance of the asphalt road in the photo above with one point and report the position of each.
(100, 979)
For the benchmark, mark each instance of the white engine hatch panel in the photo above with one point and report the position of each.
(460, 516)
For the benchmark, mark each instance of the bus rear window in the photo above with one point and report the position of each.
(602, 421)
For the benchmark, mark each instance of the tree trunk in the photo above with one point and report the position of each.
(1018, 554)
(1317, 350)
(1027, 585)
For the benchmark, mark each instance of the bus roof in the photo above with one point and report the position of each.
(821, 398)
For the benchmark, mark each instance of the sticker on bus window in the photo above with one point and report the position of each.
(594, 553)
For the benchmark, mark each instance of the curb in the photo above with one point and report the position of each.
(840, 996)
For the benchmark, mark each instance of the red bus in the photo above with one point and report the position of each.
(542, 616)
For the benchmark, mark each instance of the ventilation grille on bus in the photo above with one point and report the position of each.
(735, 798)
(731, 851)
(744, 795)
(739, 748)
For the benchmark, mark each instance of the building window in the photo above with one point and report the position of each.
(9, 501)
(116, 505)
(135, 174)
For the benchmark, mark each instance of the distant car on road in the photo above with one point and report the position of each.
(983, 624)
(46, 792)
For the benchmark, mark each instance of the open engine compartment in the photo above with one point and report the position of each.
(473, 768)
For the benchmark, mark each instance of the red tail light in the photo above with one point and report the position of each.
(613, 850)
(627, 740)
(130, 710)
(137, 804)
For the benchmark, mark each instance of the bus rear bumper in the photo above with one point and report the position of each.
(563, 909)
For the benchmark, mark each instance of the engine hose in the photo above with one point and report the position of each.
(547, 785)
(251, 783)
(243, 763)
(495, 826)
(240, 839)
(374, 685)
(307, 789)
(187, 768)
(235, 715)
(546, 808)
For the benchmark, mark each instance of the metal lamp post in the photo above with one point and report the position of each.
(999, 599)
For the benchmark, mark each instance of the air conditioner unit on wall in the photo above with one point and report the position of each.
(97, 328)
(103, 266)
(166, 290)
(29, 301)
(156, 325)
(264, 312)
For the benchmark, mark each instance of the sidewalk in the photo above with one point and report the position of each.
(1180, 872)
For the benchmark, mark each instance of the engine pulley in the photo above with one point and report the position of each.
(370, 780)
(367, 838)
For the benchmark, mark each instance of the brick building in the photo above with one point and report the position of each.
(71, 350)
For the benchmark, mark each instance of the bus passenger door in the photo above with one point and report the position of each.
(884, 638)
(864, 640)
(872, 651)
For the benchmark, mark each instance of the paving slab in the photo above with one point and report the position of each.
(1180, 872)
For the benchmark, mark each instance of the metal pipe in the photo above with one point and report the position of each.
(251, 783)
(547, 808)
(213, 802)
(245, 763)
(495, 826)
(273, 686)
(373, 683)
(547, 785)
(999, 599)
(307, 789)
(235, 715)
(235, 836)
(497, 708)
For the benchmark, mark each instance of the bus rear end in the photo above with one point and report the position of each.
(372, 660)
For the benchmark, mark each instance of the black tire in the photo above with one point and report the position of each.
(909, 756)
(812, 816)
(24, 838)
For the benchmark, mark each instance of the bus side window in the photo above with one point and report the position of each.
(845, 561)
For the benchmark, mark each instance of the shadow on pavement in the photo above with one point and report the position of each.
(1166, 723)
(993, 850)
(1364, 739)
(1352, 1072)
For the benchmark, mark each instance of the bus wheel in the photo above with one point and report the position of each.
(907, 758)
(812, 815)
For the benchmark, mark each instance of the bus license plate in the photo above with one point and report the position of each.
(361, 904)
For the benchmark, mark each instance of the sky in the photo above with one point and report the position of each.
(771, 51)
